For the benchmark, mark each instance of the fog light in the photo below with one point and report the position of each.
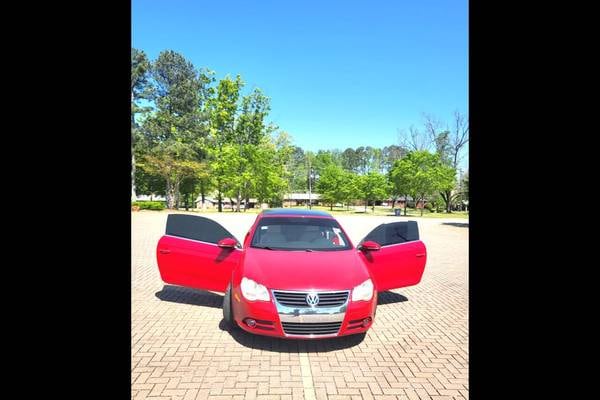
(366, 321)
(250, 322)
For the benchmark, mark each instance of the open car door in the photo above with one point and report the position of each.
(188, 254)
(401, 259)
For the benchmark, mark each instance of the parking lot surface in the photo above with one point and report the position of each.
(416, 349)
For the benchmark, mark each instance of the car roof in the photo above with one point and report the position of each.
(296, 212)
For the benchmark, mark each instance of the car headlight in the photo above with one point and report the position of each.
(254, 291)
(364, 291)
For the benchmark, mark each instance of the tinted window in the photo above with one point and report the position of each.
(295, 233)
(196, 228)
(394, 233)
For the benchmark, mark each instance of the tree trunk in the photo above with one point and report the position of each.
(133, 195)
(177, 195)
(231, 201)
(246, 196)
(170, 194)
(331, 207)
(447, 197)
(422, 204)
(219, 197)
(187, 199)
(405, 204)
(366, 204)
(239, 200)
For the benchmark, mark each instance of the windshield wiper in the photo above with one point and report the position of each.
(311, 250)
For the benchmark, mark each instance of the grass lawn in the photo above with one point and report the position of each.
(379, 211)
(383, 211)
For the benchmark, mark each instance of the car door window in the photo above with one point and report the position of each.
(394, 233)
(196, 228)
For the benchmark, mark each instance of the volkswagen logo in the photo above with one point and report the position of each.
(312, 299)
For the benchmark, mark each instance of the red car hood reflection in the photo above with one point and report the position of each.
(301, 270)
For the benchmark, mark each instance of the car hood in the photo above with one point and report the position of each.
(300, 270)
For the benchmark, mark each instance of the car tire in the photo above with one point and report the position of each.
(228, 309)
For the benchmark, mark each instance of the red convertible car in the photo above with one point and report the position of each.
(296, 274)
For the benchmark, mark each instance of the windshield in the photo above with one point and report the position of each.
(297, 233)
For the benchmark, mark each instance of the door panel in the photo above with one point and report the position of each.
(188, 254)
(401, 260)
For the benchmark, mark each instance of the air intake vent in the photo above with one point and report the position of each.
(325, 328)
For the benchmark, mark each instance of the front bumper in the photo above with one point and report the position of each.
(271, 316)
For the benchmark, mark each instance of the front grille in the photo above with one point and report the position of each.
(298, 299)
(324, 328)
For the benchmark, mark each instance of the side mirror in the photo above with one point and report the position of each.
(370, 245)
(227, 243)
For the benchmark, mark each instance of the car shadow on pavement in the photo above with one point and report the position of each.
(279, 345)
(182, 295)
(389, 298)
(457, 224)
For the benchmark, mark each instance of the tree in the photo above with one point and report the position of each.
(226, 162)
(204, 179)
(373, 186)
(139, 83)
(298, 169)
(222, 110)
(149, 184)
(414, 140)
(376, 160)
(448, 145)
(421, 174)
(285, 157)
(332, 184)
(349, 160)
(173, 132)
(187, 189)
(170, 163)
(401, 179)
(250, 129)
(267, 172)
(390, 154)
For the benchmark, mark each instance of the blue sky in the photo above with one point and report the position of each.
(339, 73)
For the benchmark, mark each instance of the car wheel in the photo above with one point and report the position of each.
(227, 309)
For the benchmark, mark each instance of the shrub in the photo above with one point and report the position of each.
(429, 207)
(149, 205)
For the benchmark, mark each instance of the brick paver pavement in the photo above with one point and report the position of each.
(416, 349)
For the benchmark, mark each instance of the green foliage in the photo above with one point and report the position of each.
(390, 154)
(350, 160)
(336, 185)
(266, 173)
(429, 207)
(298, 169)
(223, 108)
(421, 174)
(140, 67)
(150, 205)
(173, 134)
(250, 125)
(149, 184)
(198, 135)
(373, 186)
